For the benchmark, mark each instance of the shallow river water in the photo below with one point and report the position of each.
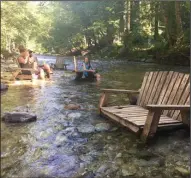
(81, 144)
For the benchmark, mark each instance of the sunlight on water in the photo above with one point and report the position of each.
(65, 143)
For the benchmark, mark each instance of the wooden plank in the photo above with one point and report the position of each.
(185, 117)
(151, 125)
(75, 64)
(146, 89)
(103, 100)
(179, 93)
(168, 107)
(159, 87)
(174, 91)
(165, 87)
(150, 89)
(28, 69)
(130, 126)
(159, 75)
(120, 91)
(169, 88)
(179, 116)
(24, 77)
(162, 119)
(182, 101)
(142, 87)
(167, 125)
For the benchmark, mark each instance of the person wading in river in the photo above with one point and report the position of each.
(88, 68)
(45, 67)
(24, 62)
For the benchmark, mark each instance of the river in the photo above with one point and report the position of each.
(75, 144)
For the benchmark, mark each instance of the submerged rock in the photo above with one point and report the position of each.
(102, 127)
(19, 117)
(4, 87)
(72, 107)
(182, 171)
(86, 128)
(128, 170)
(74, 115)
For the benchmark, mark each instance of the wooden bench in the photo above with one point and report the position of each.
(60, 63)
(162, 101)
(18, 73)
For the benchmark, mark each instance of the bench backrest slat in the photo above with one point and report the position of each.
(164, 88)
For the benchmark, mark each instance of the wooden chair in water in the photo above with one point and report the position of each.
(60, 63)
(163, 101)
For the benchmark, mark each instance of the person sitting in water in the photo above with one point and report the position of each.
(45, 67)
(88, 68)
(24, 62)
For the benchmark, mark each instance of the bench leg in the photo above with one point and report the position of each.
(15, 74)
(151, 125)
(103, 101)
(185, 117)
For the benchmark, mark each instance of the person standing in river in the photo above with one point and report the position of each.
(88, 68)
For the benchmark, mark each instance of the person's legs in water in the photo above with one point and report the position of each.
(47, 69)
(98, 76)
(41, 74)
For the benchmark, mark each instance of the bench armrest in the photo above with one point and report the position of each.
(168, 107)
(29, 69)
(120, 91)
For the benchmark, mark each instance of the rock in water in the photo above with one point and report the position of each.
(4, 87)
(72, 106)
(19, 117)
(102, 127)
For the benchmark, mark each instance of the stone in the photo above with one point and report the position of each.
(182, 171)
(19, 117)
(61, 138)
(102, 127)
(128, 170)
(74, 115)
(147, 155)
(102, 168)
(119, 155)
(4, 87)
(86, 158)
(72, 107)
(86, 128)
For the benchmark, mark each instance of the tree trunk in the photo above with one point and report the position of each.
(178, 18)
(121, 25)
(132, 12)
(156, 33)
(166, 22)
(128, 15)
(85, 41)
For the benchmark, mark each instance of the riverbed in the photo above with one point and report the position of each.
(81, 144)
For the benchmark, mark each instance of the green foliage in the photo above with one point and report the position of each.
(110, 28)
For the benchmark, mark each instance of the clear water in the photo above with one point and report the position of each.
(54, 146)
